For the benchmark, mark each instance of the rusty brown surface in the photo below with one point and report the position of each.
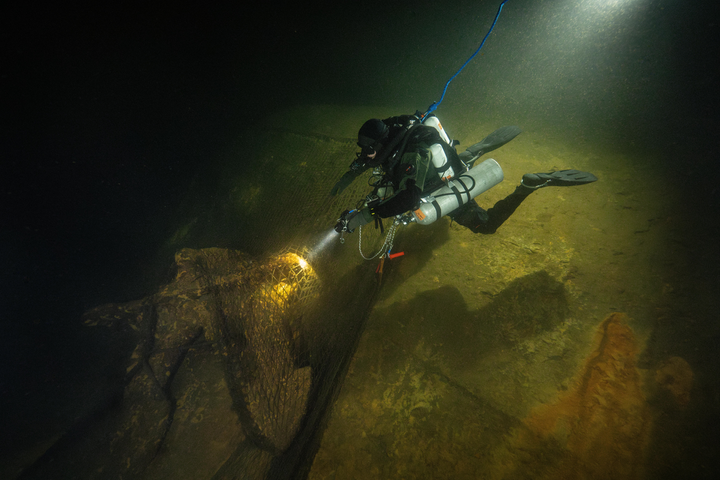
(602, 423)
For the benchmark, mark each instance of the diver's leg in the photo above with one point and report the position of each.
(478, 220)
(502, 210)
(471, 216)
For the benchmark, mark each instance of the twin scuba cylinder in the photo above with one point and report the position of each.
(437, 155)
(458, 190)
(439, 159)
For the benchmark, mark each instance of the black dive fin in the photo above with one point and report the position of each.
(497, 139)
(562, 178)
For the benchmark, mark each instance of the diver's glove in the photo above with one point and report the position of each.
(342, 223)
(343, 183)
(351, 219)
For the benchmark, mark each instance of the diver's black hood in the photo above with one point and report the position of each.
(372, 134)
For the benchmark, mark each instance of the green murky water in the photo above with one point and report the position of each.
(483, 356)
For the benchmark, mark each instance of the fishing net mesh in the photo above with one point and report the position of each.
(230, 369)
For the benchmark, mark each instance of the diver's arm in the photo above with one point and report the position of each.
(409, 184)
(356, 169)
(405, 200)
(401, 202)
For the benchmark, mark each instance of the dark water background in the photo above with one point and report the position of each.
(110, 115)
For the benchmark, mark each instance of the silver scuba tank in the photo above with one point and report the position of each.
(440, 161)
(437, 155)
(458, 191)
(432, 121)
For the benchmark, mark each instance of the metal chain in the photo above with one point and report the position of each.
(387, 244)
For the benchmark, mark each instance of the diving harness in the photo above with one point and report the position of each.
(370, 200)
(383, 187)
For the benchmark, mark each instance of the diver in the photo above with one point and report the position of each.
(414, 159)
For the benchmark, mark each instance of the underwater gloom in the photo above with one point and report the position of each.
(383, 240)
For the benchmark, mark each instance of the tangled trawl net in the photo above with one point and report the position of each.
(287, 344)
(230, 369)
(259, 325)
(231, 338)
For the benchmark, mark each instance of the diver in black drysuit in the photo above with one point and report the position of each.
(400, 146)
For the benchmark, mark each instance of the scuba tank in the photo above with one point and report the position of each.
(459, 186)
(439, 159)
(441, 163)
(438, 156)
(432, 121)
(458, 191)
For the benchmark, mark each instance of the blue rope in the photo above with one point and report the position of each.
(434, 105)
